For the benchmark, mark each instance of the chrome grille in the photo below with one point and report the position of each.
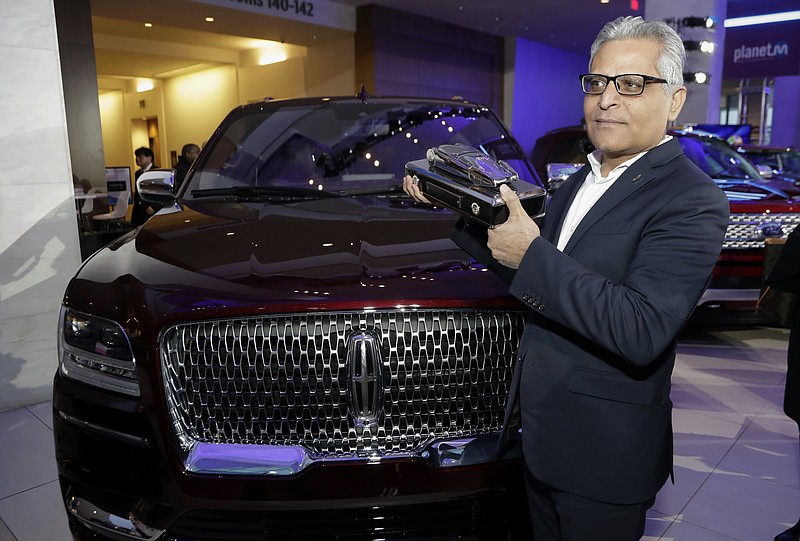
(283, 380)
(746, 231)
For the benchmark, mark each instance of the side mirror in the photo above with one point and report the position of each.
(557, 173)
(765, 171)
(155, 186)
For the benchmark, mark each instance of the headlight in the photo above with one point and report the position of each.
(96, 351)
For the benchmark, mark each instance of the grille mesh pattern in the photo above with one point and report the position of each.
(744, 229)
(282, 380)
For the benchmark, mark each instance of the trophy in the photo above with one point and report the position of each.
(466, 180)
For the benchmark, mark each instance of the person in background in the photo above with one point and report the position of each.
(188, 155)
(785, 275)
(609, 281)
(141, 209)
(735, 140)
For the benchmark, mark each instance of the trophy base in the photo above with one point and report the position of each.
(481, 203)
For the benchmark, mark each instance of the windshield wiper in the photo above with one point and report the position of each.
(264, 192)
(374, 190)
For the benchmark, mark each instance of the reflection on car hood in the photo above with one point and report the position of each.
(324, 254)
(326, 240)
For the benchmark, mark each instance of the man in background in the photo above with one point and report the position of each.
(188, 155)
(141, 209)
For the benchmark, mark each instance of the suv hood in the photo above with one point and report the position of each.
(327, 254)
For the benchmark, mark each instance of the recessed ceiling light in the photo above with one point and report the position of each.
(605, 1)
(209, 19)
(148, 25)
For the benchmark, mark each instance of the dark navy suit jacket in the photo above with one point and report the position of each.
(593, 376)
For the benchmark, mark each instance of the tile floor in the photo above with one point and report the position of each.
(737, 465)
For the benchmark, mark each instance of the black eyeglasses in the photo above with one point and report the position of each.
(628, 84)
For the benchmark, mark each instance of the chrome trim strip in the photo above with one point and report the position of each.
(108, 523)
(728, 295)
(282, 460)
(103, 431)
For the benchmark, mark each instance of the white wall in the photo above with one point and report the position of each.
(38, 229)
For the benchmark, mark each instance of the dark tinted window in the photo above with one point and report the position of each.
(570, 150)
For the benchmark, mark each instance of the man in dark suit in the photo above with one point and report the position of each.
(189, 154)
(142, 210)
(785, 276)
(626, 249)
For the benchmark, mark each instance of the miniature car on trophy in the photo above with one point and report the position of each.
(468, 181)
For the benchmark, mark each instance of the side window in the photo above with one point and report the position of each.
(765, 159)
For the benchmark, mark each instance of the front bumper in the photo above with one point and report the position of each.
(121, 480)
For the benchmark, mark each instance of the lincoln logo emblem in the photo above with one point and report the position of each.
(364, 371)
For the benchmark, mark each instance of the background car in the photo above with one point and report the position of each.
(782, 161)
(292, 348)
(760, 208)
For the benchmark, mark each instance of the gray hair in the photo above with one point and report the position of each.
(673, 54)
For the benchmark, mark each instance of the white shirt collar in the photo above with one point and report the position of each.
(595, 159)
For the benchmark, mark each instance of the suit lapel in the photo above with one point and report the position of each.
(557, 209)
(639, 174)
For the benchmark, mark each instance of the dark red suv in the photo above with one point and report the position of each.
(292, 348)
(760, 208)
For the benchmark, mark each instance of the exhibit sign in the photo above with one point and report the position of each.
(765, 50)
(321, 12)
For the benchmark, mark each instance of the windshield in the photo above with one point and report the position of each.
(342, 147)
(718, 159)
(785, 163)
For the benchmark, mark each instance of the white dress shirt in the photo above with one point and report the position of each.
(593, 187)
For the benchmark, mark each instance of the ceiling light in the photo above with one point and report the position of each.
(763, 19)
(707, 22)
(148, 25)
(271, 54)
(699, 77)
(703, 46)
(706, 46)
(605, 1)
(143, 85)
(209, 19)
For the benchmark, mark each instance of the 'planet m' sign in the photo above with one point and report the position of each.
(766, 50)
(760, 52)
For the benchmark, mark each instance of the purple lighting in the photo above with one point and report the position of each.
(240, 459)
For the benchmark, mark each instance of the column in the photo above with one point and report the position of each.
(38, 229)
(702, 101)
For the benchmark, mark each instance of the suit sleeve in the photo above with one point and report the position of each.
(637, 316)
(785, 275)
